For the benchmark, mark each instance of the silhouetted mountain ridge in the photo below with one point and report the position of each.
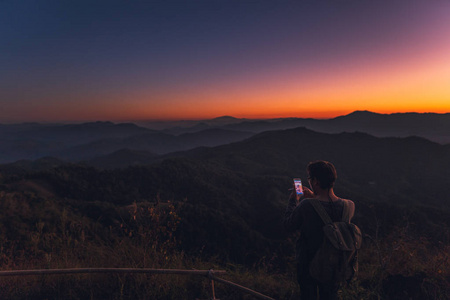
(428, 125)
(385, 167)
(432, 126)
(85, 141)
(32, 141)
(88, 140)
(155, 142)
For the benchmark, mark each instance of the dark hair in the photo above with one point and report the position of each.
(324, 172)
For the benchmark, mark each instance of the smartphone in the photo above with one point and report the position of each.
(298, 186)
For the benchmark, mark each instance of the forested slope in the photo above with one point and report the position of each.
(229, 201)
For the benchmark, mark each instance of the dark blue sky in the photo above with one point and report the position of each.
(67, 60)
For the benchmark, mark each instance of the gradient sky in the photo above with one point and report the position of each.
(129, 60)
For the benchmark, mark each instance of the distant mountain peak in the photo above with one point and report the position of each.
(363, 115)
(362, 112)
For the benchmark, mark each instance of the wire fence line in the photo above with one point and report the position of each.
(240, 287)
(211, 274)
(106, 270)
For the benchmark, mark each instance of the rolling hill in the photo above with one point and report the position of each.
(230, 199)
(33, 141)
(86, 141)
(432, 126)
(75, 142)
(242, 187)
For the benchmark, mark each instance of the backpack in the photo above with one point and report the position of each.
(336, 260)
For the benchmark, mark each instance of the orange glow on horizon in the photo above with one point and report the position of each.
(302, 114)
(404, 82)
(413, 83)
(384, 57)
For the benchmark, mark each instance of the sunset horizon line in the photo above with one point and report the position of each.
(250, 117)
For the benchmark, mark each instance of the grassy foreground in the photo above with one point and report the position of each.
(39, 233)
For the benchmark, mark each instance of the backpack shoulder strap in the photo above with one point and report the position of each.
(346, 212)
(321, 211)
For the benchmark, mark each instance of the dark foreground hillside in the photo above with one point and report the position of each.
(222, 206)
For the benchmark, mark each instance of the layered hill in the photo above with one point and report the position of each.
(382, 168)
(75, 142)
(232, 197)
(229, 201)
(431, 126)
(33, 141)
(86, 141)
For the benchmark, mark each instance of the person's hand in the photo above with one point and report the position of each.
(307, 193)
(293, 193)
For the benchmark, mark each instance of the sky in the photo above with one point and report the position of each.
(168, 60)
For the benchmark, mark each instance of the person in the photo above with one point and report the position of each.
(301, 215)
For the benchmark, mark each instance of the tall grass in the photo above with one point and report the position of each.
(49, 236)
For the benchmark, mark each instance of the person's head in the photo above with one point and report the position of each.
(322, 171)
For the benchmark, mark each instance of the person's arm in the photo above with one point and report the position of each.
(292, 217)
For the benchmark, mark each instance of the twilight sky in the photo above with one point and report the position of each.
(128, 60)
